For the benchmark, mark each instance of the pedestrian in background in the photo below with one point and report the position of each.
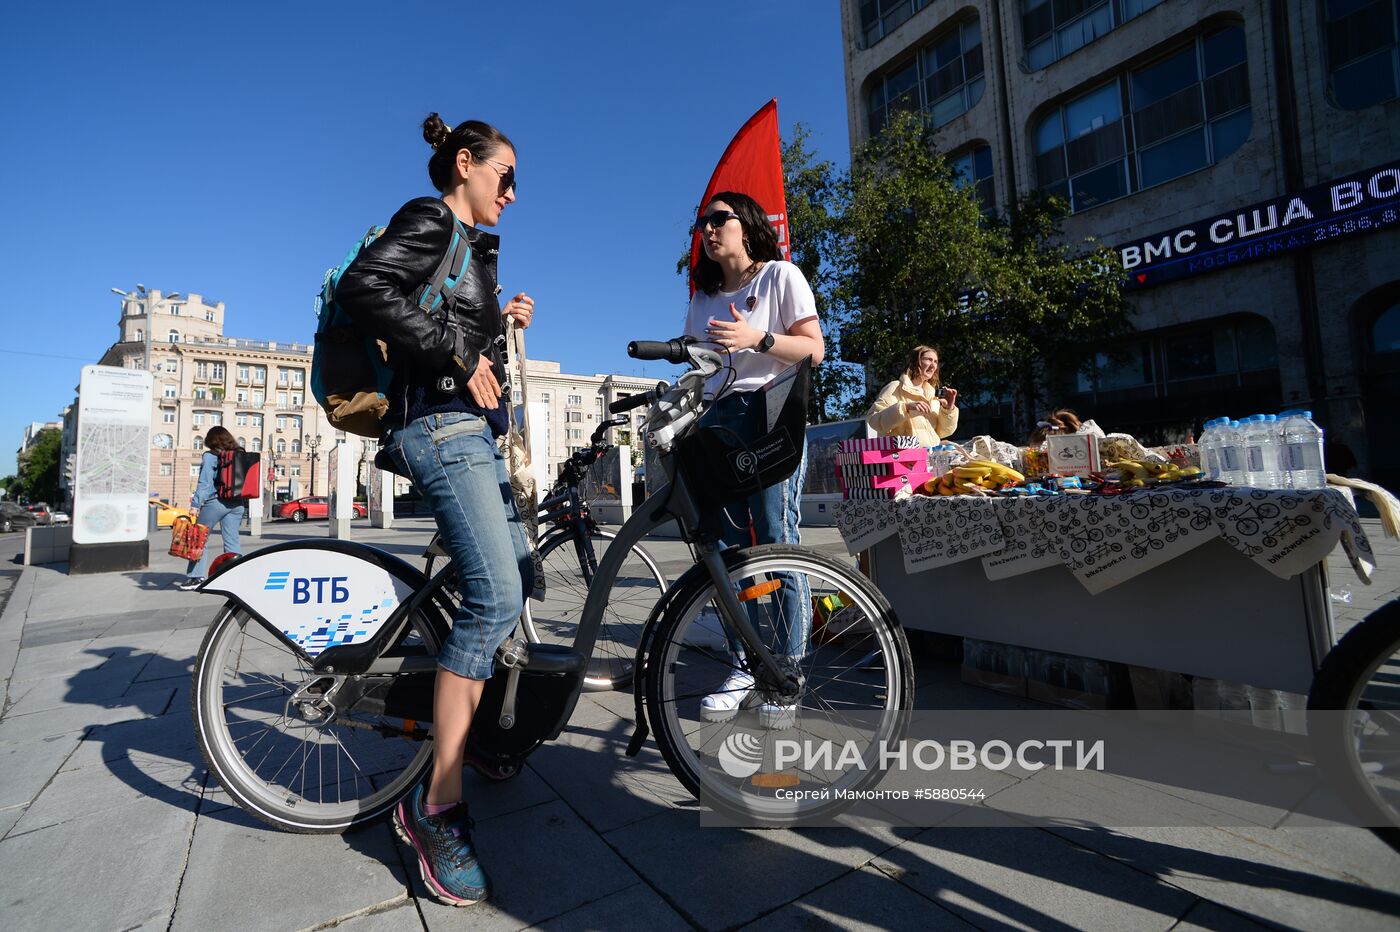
(916, 404)
(212, 511)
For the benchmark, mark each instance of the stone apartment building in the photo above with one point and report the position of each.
(260, 391)
(1240, 154)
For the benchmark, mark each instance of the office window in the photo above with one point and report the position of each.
(199, 419)
(281, 445)
(296, 469)
(170, 391)
(296, 445)
(1183, 112)
(240, 419)
(1362, 51)
(544, 396)
(197, 444)
(575, 434)
(575, 400)
(298, 378)
(257, 420)
(259, 374)
(217, 371)
(974, 167)
(194, 467)
(201, 392)
(296, 399)
(574, 417)
(255, 444)
(258, 399)
(1052, 29)
(281, 422)
(208, 315)
(879, 18)
(174, 309)
(171, 365)
(167, 415)
(167, 469)
(174, 336)
(944, 79)
(241, 396)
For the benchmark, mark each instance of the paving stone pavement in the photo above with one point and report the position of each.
(109, 819)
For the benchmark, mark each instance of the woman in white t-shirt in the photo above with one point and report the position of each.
(751, 302)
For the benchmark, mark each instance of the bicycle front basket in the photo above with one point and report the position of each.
(721, 467)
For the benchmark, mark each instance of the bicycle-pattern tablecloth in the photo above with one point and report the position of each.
(1107, 539)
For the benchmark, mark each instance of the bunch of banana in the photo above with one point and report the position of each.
(1139, 475)
(975, 477)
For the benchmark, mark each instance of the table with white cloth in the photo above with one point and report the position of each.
(1229, 583)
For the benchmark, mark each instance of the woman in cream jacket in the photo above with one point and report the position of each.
(912, 405)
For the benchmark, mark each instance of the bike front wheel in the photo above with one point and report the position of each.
(1360, 749)
(636, 589)
(273, 737)
(830, 627)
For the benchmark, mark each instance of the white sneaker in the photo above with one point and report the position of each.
(724, 704)
(776, 717)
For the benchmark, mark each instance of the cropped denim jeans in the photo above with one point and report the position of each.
(785, 620)
(457, 468)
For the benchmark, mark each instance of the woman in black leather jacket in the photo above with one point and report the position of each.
(446, 444)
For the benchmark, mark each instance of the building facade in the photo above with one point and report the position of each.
(1240, 154)
(576, 404)
(258, 390)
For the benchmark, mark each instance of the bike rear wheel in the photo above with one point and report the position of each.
(857, 685)
(1360, 750)
(255, 707)
(555, 620)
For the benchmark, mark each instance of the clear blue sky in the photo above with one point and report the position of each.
(237, 151)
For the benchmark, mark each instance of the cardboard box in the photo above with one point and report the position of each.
(1073, 454)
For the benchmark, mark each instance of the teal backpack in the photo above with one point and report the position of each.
(350, 376)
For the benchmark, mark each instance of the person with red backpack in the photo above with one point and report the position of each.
(213, 508)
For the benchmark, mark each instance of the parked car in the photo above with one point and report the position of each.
(13, 517)
(166, 513)
(41, 513)
(60, 517)
(314, 506)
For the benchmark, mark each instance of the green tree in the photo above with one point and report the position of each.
(1008, 303)
(9, 487)
(814, 233)
(38, 473)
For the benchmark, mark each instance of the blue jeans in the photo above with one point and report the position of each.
(215, 513)
(455, 465)
(784, 619)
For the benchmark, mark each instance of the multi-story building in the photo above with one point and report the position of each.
(576, 404)
(258, 390)
(1240, 154)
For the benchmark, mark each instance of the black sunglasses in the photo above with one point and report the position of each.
(715, 219)
(507, 176)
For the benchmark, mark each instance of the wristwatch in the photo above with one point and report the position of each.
(765, 344)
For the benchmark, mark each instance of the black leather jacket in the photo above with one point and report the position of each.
(379, 292)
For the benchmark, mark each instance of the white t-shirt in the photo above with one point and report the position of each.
(775, 299)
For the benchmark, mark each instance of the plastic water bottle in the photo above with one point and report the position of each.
(1260, 452)
(1209, 444)
(1302, 450)
(1231, 452)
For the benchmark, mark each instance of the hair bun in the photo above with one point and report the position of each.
(435, 132)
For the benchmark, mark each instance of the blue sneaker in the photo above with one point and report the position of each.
(446, 857)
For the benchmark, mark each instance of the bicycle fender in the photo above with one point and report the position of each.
(316, 595)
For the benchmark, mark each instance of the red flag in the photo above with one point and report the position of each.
(752, 165)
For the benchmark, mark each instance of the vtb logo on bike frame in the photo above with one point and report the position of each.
(326, 588)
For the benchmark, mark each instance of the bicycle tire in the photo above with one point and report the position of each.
(638, 586)
(673, 657)
(286, 806)
(1361, 676)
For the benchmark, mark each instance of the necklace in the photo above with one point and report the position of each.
(747, 275)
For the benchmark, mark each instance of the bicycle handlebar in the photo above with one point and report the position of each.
(641, 398)
(672, 351)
